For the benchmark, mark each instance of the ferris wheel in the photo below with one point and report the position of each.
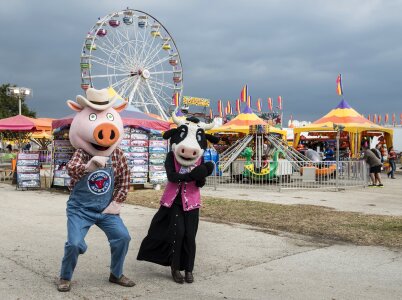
(133, 53)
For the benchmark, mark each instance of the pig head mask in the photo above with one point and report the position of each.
(97, 127)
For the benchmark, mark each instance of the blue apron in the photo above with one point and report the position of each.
(94, 191)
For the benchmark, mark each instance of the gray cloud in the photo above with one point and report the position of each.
(289, 48)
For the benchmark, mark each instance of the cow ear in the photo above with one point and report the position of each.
(211, 138)
(121, 107)
(168, 134)
(74, 105)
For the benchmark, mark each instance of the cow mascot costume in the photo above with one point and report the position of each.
(171, 236)
(99, 183)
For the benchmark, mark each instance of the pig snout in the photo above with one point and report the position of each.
(106, 134)
(187, 152)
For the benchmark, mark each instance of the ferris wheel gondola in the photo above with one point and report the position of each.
(133, 53)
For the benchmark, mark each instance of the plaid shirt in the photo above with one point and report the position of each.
(76, 170)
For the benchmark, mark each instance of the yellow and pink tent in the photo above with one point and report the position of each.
(241, 124)
(354, 123)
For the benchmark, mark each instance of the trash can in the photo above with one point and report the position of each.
(212, 155)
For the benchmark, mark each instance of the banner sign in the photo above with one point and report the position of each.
(28, 171)
(196, 101)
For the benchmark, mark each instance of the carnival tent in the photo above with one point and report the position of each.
(242, 122)
(129, 117)
(23, 123)
(355, 124)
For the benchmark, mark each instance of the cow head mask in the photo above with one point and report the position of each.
(97, 128)
(189, 140)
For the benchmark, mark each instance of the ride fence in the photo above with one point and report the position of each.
(286, 175)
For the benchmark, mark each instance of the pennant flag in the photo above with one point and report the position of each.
(280, 102)
(231, 110)
(339, 90)
(369, 117)
(393, 118)
(244, 93)
(379, 119)
(375, 118)
(176, 99)
(249, 101)
(211, 115)
(229, 107)
(259, 104)
(400, 118)
(270, 104)
(220, 108)
(386, 119)
(238, 106)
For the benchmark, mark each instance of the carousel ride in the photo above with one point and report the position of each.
(261, 144)
(134, 54)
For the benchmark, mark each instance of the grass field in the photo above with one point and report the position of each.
(315, 221)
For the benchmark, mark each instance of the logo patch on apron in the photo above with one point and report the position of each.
(99, 182)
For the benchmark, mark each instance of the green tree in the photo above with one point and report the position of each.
(9, 105)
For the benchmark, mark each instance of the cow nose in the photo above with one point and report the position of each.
(106, 134)
(188, 152)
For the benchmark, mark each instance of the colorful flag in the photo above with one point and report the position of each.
(270, 104)
(229, 107)
(393, 118)
(231, 110)
(244, 93)
(211, 114)
(220, 111)
(259, 104)
(238, 106)
(249, 101)
(375, 118)
(176, 99)
(379, 119)
(386, 118)
(280, 102)
(339, 90)
(400, 118)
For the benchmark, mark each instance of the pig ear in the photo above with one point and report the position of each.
(74, 105)
(121, 107)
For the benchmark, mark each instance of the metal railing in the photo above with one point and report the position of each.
(282, 175)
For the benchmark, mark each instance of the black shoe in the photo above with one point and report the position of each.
(123, 280)
(388, 174)
(188, 277)
(177, 277)
(380, 185)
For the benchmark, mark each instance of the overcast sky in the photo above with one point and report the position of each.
(290, 48)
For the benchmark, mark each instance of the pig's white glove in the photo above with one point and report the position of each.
(95, 163)
(113, 208)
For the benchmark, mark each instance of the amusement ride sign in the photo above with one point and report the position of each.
(195, 101)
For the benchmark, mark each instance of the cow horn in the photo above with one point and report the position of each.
(209, 125)
(175, 119)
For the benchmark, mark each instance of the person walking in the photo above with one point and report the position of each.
(392, 163)
(375, 164)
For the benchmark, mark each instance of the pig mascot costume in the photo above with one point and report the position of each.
(171, 236)
(99, 183)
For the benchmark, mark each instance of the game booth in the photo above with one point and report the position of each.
(142, 144)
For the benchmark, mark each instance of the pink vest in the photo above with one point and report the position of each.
(190, 193)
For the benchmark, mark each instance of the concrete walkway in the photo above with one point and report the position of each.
(233, 262)
(381, 201)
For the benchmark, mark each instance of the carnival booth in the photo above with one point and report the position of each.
(354, 127)
(142, 144)
(26, 165)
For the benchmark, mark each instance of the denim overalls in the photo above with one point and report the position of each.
(89, 197)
